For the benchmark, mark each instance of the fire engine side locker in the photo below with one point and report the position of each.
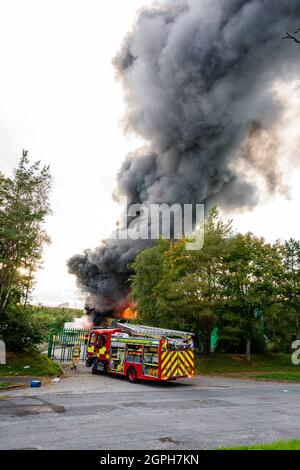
(151, 361)
(125, 354)
(117, 359)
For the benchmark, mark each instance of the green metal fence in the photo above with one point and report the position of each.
(61, 343)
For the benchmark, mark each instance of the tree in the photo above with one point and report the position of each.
(291, 261)
(24, 204)
(178, 288)
(245, 287)
(189, 291)
(22, 332)
(283, 322)
(148, 269)
(251, 278)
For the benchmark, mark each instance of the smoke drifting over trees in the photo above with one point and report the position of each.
(198, 78)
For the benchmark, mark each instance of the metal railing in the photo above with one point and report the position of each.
(61, 343)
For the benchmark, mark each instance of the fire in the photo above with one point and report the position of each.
(128, 314)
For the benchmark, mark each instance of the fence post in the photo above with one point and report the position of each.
(50, 341)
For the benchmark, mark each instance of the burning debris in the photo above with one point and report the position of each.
(198, 79)
(104, 318)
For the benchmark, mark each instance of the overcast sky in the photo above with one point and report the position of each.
(60, 100)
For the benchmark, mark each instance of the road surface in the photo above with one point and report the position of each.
(85, 411)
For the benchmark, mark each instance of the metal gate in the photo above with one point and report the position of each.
(61, 343)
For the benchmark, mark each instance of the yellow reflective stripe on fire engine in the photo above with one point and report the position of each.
(187, 359)
(167, 362)
(190, 358)
(181, 370)
(174, 365)
(166, 355)
(90, 349)
(179, 363)
(183, 363)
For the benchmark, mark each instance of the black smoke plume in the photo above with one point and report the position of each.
(198, 79)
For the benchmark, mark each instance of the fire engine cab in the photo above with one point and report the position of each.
(141, 352)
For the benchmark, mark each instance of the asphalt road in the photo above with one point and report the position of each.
(95, 412)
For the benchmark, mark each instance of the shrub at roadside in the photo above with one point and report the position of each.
(39, 365)
(25, 328)
(21, 330)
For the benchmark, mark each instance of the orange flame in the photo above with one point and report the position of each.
(128, 314)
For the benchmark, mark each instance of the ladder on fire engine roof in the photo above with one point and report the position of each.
(152, 331)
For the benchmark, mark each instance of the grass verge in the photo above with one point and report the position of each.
(219, 363)
(5, 384)
(40, 365)
(278, 376)
(279, 445)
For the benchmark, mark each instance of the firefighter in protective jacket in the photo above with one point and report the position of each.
(75, 356)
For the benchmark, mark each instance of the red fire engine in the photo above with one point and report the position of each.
(141, 352)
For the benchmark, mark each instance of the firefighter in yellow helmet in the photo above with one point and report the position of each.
(75, 356)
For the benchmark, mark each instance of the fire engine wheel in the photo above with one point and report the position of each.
(98, 367)
(94, 367)
(132, 375)
(88, 363)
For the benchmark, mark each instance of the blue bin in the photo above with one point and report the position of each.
(35, 383)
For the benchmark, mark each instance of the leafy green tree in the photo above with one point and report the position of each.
(148, 269)
(54, 317)
(178, 288)
(245, 287)
(189, 290)
(292, 281)
(251, 278)
(24, 204)
(22, 332)
(282, 324)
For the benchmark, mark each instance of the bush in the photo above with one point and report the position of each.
(24, 328)
(39, 364)
(54, 317)
(21, 330)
